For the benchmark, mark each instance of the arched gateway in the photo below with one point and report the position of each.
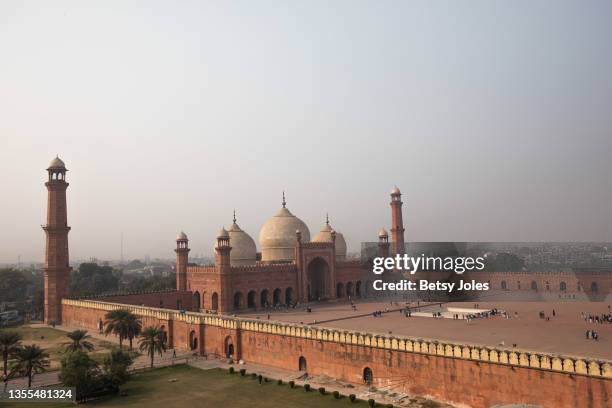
(318, 279)
(302, 364)
(229, 347)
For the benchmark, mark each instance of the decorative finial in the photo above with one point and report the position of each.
(327, 218)
(284, 202)
(234, 215)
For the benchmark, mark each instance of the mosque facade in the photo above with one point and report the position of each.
(292, 267)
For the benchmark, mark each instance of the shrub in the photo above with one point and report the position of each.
(352, 397)
(336, 395)
(307, 387)
(280, 382)
(115, 367)
(231, 370)
(80, 371)
(371, 403)
(242, 372)
(389, 405)
(292, 384)
(322, 390)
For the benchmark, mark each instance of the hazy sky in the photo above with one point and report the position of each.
(493, 117)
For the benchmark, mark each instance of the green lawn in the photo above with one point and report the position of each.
(209, 388)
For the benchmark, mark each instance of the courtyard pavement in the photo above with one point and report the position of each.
(564, 333)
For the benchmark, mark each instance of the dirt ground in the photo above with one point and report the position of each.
(565, 333)
(54, 341)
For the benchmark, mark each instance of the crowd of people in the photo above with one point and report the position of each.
(602, 318)
(592, 335)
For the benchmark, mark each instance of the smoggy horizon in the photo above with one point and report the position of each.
(494, 120)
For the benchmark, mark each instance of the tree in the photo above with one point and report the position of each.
(92, 278)
(134, 327)
(152, 341)
(29, 360)
(118, 323)
(135, 264)
(9, 344)
(79, 341)
(116, 365)
(80, 371)
(38, 302)
(146, 284)
(13, 285)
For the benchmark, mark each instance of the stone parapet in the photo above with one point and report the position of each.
(494, 355)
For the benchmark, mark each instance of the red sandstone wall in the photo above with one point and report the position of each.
(548, 281)
(477, 384)
(167, 300)
(90, 319)
(458, 381)
(215, 341)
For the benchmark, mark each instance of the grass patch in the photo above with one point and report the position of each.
(183, 386)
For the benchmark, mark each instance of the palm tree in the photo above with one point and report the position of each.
(79, 341)
(152, 342)
(134, 327)
(9, 344)
(30, 360)
(118, 323)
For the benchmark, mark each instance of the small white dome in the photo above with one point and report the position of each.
(325, 235)
(181, 236)
(244, 251)
(222, 233)
(57, 163)
(340, 246)
(382, 233)
(395, 191)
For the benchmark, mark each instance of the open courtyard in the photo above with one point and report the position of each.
(563, 333)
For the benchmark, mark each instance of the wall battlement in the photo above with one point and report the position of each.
(201, 269)
(268, 267)
(514, 358)
(316, 245)
(116, 294)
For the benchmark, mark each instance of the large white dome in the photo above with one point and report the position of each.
(325, 236)
(277, 237)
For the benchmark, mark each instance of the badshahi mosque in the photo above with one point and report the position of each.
(197, 316)
(291, 267)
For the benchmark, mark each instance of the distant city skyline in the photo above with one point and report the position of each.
(494, 120)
